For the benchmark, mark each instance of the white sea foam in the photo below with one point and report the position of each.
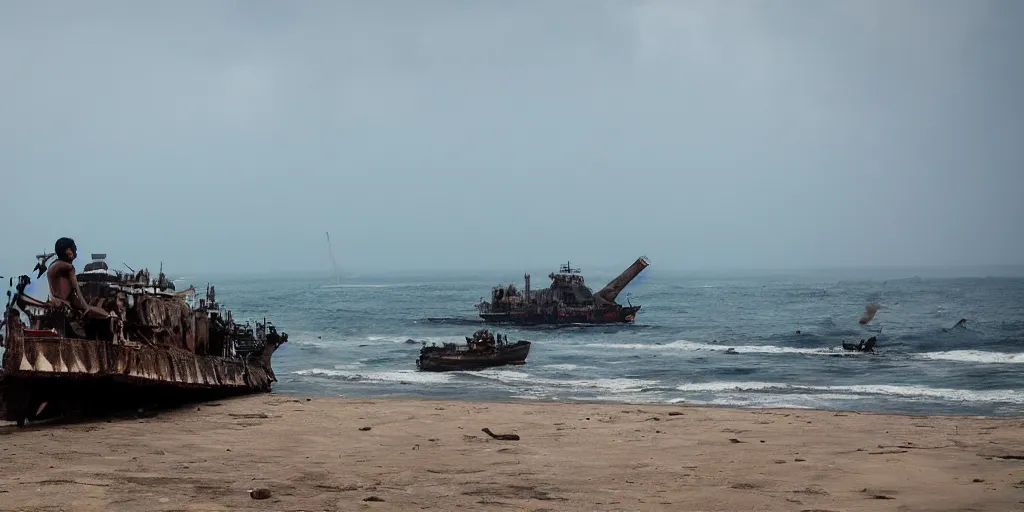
(975, 356)
(892, 390)
(522, 380)
(690, 346)
(764, 403)
(632, 398)
(392, 339)
(391, 377)
(772, 400)
(567, 367)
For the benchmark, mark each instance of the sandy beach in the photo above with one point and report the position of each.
(317, 453)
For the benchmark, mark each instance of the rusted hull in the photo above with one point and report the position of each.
(437, 361)
(625, 314)
(38, 367)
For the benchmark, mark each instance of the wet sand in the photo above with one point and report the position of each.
(408, 454)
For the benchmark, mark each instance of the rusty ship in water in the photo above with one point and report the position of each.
(155, 345)
(482, 350)
(568, 300)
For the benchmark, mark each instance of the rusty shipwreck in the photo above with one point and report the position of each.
(157, 345)
(482, 350)
(568, 300)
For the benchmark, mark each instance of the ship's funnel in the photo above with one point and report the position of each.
(97, 263)
(611, 290)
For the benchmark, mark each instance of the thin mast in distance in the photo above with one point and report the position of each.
(334, 264)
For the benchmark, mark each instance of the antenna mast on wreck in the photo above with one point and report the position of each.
(330, 253)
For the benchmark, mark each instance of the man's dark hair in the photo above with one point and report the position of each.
(62, 245)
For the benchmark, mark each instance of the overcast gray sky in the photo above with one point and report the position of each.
(230, 135)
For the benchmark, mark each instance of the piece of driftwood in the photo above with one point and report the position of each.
(500, 437)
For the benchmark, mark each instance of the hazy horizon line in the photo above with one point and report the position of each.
(982, 270)
(878, 271)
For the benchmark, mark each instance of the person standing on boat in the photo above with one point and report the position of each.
(63, 282)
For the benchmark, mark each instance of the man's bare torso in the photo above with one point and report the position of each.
(64, 288)
(59, 276)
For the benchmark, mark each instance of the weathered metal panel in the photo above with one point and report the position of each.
(202, 334)
(169, 320)
(60, 356)
(54, 357)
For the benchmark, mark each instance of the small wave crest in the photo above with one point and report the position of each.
(429, 339)
(523, 379)
(690, 346)
(567, 367)
(974, 356)
(862, 391)
(395, 376)
(519, 382)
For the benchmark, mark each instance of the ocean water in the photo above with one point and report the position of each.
(350, 338)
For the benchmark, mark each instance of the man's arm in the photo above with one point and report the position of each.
(94, 311)
(74, 283)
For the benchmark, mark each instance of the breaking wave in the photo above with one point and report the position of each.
(519, 382)
(522, 380)
(567, 367)
(861, 391)
(391, 377)
(974, 356)
(965, 356)
(690, 346)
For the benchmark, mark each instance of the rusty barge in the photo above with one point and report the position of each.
(157, 345)
(568, 300)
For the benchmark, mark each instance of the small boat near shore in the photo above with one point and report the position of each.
(482, 350)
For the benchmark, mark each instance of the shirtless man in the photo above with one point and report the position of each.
(64, 287)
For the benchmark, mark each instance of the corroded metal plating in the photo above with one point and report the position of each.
(568, 300)
(155, 340)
